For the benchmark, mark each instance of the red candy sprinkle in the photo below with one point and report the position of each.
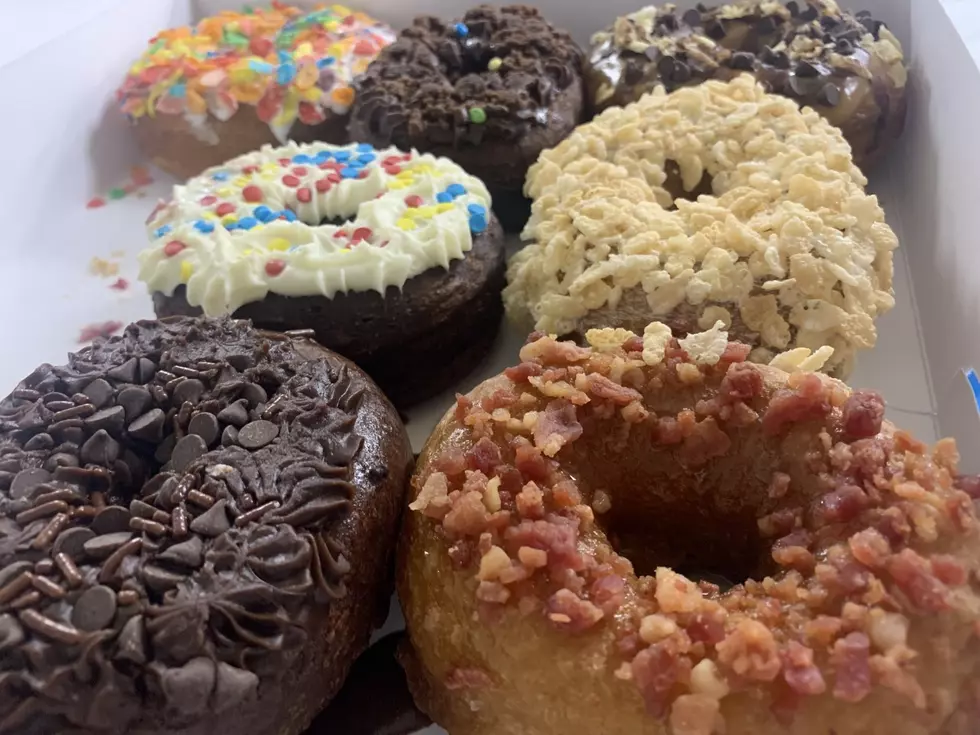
(300, 170)
(225, 208)
(252, 193)
(389, 160)
(173, 247)
(362, 174)
(275, 267)
(333, 177)
(304, 195)
(413, 201)
(361, 233)
(250, 169)
(323, 185)
(284, 161)
(290, 180)
(208, 200)
(340, 233)
(393, 169)
(120, 284)
(96, 203)
(260, 46)
(364, 48)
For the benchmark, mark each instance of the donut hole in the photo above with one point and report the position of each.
(674, 184)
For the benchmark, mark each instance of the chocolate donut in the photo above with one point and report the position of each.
(849, 68)
(491, 91)
(194, 532)
(561, 509)
(394, 259)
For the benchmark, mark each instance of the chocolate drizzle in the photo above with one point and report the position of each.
(162, 569)
(425, 86)
(809, 51)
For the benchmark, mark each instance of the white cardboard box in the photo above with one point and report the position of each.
(61, 60)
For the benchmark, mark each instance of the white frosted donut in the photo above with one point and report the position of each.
(312, 219)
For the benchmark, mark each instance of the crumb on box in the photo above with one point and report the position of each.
(120, 284)
(101, 267)
(98, 329)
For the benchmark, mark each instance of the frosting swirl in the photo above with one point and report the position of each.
(266, 222)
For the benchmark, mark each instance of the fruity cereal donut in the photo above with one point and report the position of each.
(394, 259)
(237, 81)
(557, 508)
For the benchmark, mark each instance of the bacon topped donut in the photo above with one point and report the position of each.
(567, 515)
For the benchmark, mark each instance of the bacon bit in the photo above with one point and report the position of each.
(468, 678)
(530, 462)
(868, 457)
(707, 626)
(821, 631)
(870, 547)
(742, 382)
(602, 387)
(862, 414)
(887, 629)
(949, 570)
(633, 344)
(556, 427)
(915, 578)
(608, 592)
(484, 456)
(779, 523)
(970, 484)
(694, 714)
(905, 442)
(100, 329)
(794, 557)
(500, 398)
(656, 671)
(510, 481)
(492, 592)
(557, 536)
(530, 502)
(750, 651)
(668, 431)
(654, 628)
(778, 485)
(708, 680)
(462, 553)
(890, 674)
(894, 525)
(433, 498)
(565, 494)
(521, 373)
(532, 558)
(852, 671)
(706, 442)
(807, 402)
(120, 284)
(452, 462)
(571, 614)
(549, 351)
(735, 352)
(841, 506)
(492, 564)
(960, 509)
(676, 593)
(799, 671)
(468, 516)
(463, 407)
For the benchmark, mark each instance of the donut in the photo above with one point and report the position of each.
(718, 201)
(562, 511)
(237, 81)
(195, 525)
(849, 68)
(490, 90)
(394, 259)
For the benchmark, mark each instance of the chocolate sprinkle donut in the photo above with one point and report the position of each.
(850, 68)
(490, 91)
(192, 526)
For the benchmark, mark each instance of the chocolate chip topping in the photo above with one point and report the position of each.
(143, 571)
(493, 74)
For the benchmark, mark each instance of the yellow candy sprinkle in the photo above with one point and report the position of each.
(313, 94)
(240, 181)
(186, 269)
(267, 175)
(444, 207)
(270, 167)
(494, 63)
(422, 168)
(404, 175)
(229, 219)
(224, 191)
(406, 224)
(247, 251)
(393, 185)
(344, 250)
(279, 243)
(304, 49)
(426, 212)
(343, 95)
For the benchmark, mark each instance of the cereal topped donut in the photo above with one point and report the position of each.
(236, 81)
(490, 90)
(376, 250)
(715, 202)
(850, 68)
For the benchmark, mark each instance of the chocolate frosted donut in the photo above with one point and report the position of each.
(849, 68)
(194, 525)
(490, 91)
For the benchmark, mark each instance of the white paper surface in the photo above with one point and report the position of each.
(62, 151)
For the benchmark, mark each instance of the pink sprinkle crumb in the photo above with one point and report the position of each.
(120, 284)
(95, 203)
(102, 329)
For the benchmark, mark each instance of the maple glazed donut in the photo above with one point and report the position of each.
(237, 81)
(490, 90)
(557, 506)
(394, 259)
(194, 532)
(713, 202)
(850, 68)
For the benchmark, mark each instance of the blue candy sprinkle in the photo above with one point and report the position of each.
(302, 158)
(204, 226)
(178, 90)
(262, 67)
(455, 190)
(365, 148)
(284, 57)
(289, 214)
(366, 158)
(476, 209)
(247, 223)
(354, 163)
(461, 29)
(342, 156)
(444, 197)
(478, 223)
(286, 73)
(264, 214)
(232, 226)
(328, 61)
(323, 156)
(220, 176)
(349, 173)
(161, 231)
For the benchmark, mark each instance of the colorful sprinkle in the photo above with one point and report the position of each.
(461, 30)
(455, 190)
(161, 231)
(208, 200)
(406, 224)
(290, 181)
(120, 284)
(476, 209)
(186, 271)
(220, 176)
(252, 193)
(225, 208)
(365, 148)
(247, 223)
(444, 197)
(495, 63)
(304, 195)
(275, 267)
(117, 193)
(349, 173)
(279, 244)
(478, 115)
(361, 233)
(478, 223)
(95, 203)
(413, 200)
(202, 226)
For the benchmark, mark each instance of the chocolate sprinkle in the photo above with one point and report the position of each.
(94, 608)
(257, 434)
